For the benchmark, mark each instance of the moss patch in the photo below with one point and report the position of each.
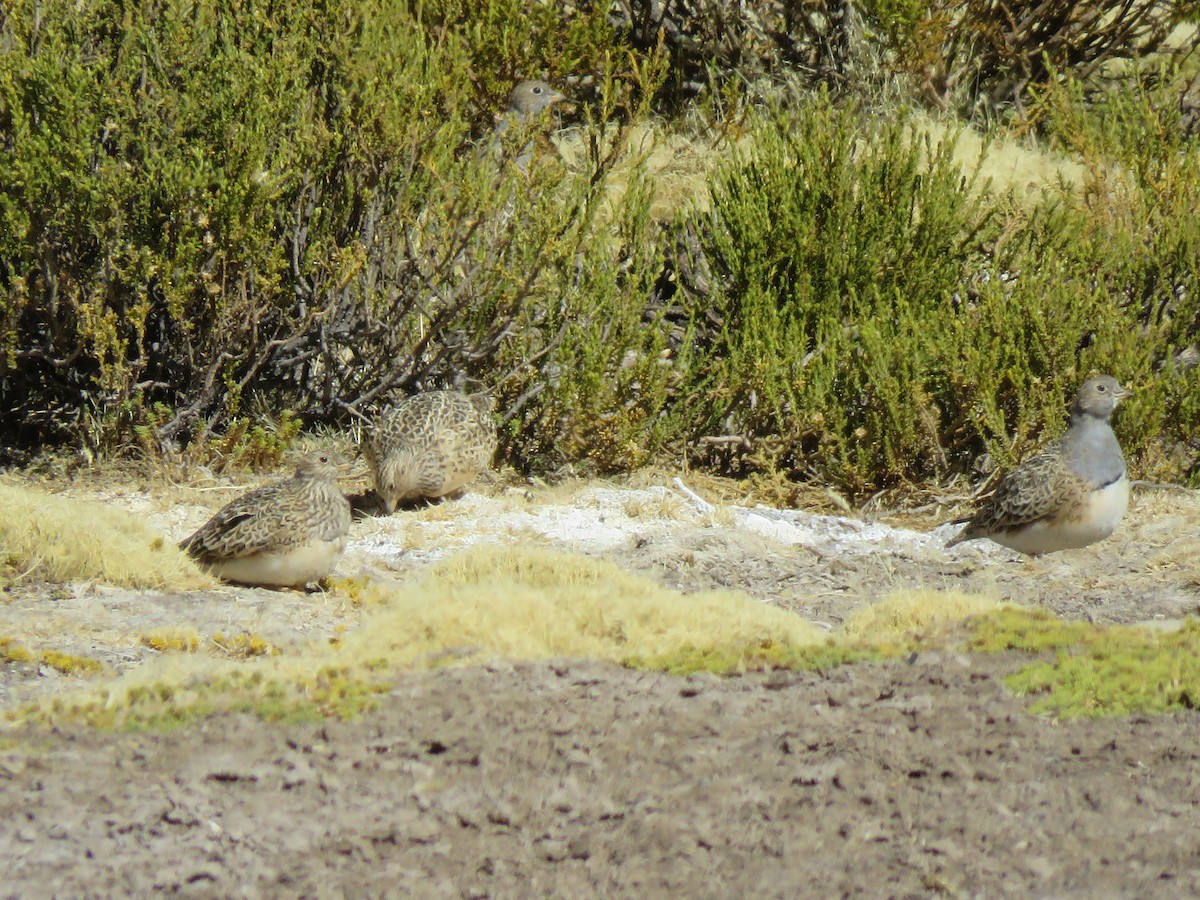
(1096, 670)
(914, 614)
(829, 654)
(166, 705)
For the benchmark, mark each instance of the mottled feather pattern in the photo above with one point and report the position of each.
(1039, 488)
(276, 517)
(430, 445)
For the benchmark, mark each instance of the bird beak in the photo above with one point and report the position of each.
(1123, 394)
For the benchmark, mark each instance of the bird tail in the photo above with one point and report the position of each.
(964, 535)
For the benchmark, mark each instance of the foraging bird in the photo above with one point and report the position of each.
(285, 534)
(429, 446)
(1070, 494)
(528, 101)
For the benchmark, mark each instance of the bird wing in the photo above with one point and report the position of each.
(244, 526)
(1040, 488)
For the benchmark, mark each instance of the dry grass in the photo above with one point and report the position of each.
(1165, 522)
(484, 605)
(1008, 162)
(679, 167)
(54, 538)
(171, 640)
(662, 504)
(529, 603)
(914, 613)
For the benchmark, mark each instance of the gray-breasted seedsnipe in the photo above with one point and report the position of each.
(1071, 494)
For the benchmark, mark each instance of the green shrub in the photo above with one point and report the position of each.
(212, 208)
(176, 175)
(982, 56)
(835, 260)
(1139, 243)
(886, 317)
(202, 203)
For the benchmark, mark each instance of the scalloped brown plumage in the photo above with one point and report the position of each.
(1068, 495)
(429, 446)
(285, 534)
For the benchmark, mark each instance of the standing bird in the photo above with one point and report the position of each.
(429, 446)
(285, 534)
(1068, 495)
(528, 101)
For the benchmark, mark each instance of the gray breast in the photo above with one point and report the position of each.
(1090, 450)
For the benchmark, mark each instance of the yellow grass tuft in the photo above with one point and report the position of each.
(914, 612)
(529, 603)
(243, 646)
(11, 651)
(55, 538)
(660, 505)
(67, 663)
(171, 640)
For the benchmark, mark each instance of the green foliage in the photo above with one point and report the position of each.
(1095, 670)
(979, 57)
(1026, 630)
(211, 208)
(767, 656)
(156, 153)
(1139, 243)
(206, 203)
(836, 262)
(602, 394)
(508, 41)
(885, 317)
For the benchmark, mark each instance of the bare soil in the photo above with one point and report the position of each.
(580, 779)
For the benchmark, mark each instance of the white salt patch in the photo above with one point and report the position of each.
(596, 520)
(836, 534)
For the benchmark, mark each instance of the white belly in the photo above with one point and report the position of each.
(287, 568)
(1093, 522)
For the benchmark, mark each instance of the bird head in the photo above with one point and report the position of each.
(530, 99)
(1099, 397)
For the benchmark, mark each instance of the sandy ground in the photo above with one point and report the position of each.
(578, 779)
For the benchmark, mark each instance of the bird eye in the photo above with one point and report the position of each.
(1101, 388)
(537, 90)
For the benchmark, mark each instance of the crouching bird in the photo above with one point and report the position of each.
(430, 446)
(285, 534)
